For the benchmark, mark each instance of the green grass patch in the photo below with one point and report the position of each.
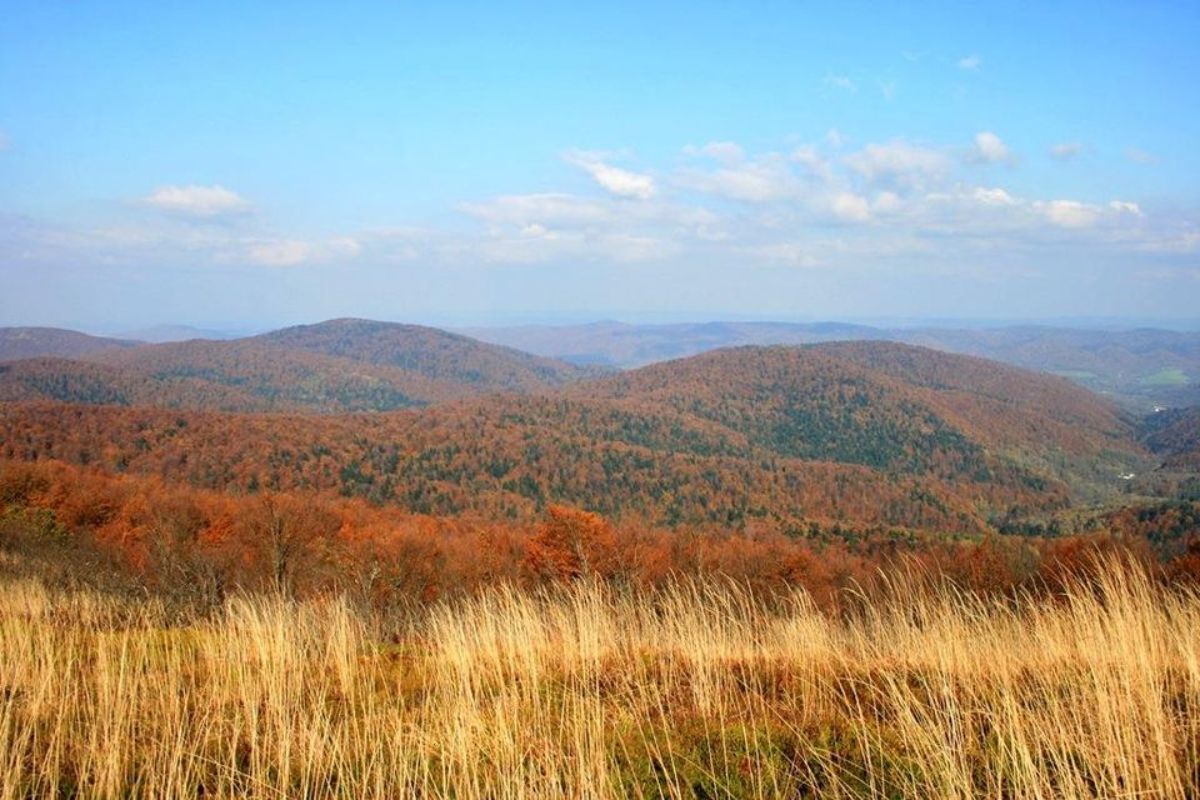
(1166, 377)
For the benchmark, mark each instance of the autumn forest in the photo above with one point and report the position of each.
(414, 450)
(410, 531)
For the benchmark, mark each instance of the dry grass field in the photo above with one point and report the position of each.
(701, 690)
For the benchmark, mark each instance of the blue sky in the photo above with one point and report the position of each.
(464, 163)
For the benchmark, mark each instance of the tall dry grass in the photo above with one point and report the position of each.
(701, 690)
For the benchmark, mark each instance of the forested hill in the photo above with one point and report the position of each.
(430, 352)
(1174, 435)
(336, 366)
(894, 407)
(19, 343)
(995, 403)
(1140, 367)
(876, 435)
(868, 383)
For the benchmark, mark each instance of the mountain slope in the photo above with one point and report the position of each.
(794, 402)
(501, 458)
(430, 352)
(1004, 407)
(1142, 367)
(895, 407)
(236, 376)
(19, 343)
(342, 365)
(617, 344)
(793, 436)
(1174, 436)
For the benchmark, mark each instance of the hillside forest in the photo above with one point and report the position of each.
(416, 464)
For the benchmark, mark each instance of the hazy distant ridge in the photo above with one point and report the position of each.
(18, 343)
(1141, 367)
(334, 366)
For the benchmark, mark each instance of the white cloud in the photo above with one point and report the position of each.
(841, 82)
(887, 89)
(620, 182)
(631, 248)
(293, 252)
(834, 137)
(558, 213)
(197, 201)
(850, 207)
(1185, 241)
(1113, 218)
(344, 245)
(757, 181)
(1069, 213)
(810, 159)
(725, 152)
(802, 176)
(898, 162)
(970, 62)
(887, 203)
(794, 254)
(283, 253)
(993, 197)
(549, 208)
(537, 244)
(990, 148)
(1065, 151)
(811, 206)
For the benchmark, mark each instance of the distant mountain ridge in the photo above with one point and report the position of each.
(20, 343)
(1142, 367)
(160, 334)
(858, 434)
(431, 352)
(335, 366)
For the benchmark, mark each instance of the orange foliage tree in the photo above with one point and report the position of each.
(572, 544)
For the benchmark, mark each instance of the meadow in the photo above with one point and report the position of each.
(699, 688)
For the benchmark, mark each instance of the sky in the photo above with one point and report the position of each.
(251, 165)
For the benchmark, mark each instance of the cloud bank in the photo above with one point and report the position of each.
(822, 205)
(203, 202)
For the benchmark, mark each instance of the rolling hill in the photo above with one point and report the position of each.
(863, 435)
(20, 343)
(429, 352)
(1141, 368)
(337, 366)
